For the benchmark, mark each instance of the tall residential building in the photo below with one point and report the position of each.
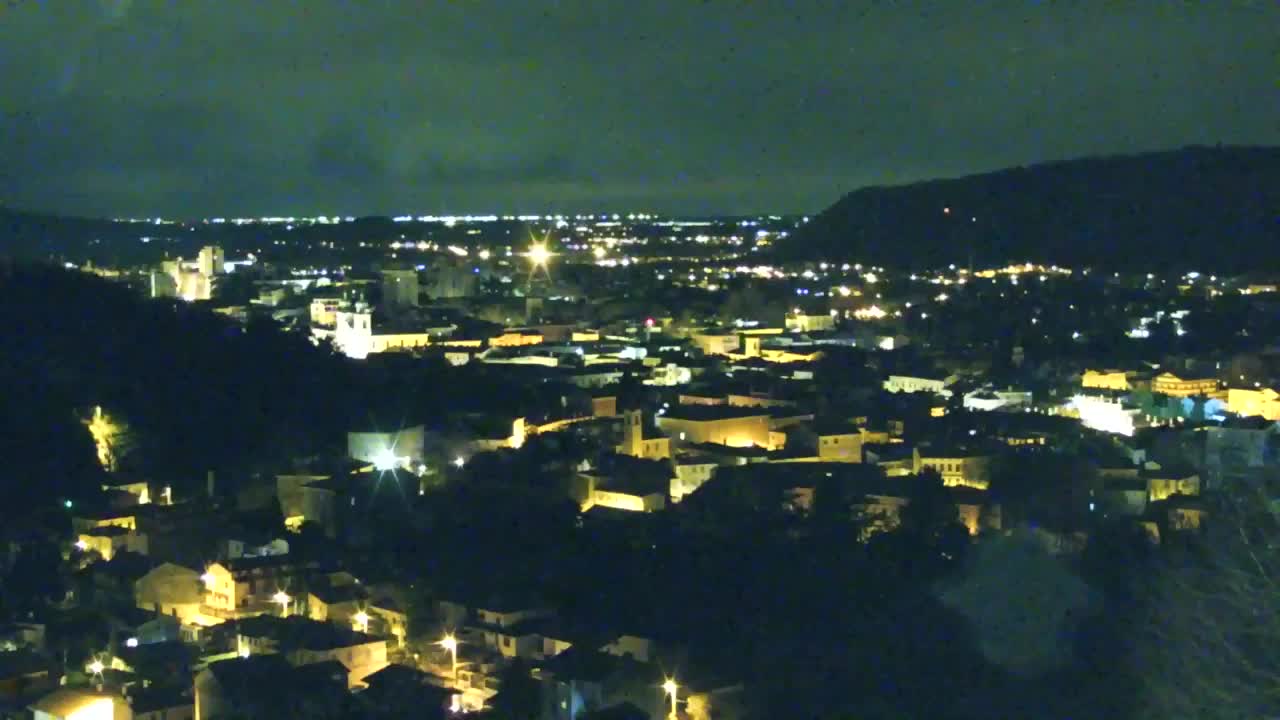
(400, 288)
(212, 261)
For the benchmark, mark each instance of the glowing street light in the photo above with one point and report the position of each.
(450, 643)
(81, 545)
(283, 600)
(207, 578)
(539, 255)
(362, 621)
(671, 689)
(385, 460)
(459, 461)
(96, 667)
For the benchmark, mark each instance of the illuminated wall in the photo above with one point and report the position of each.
(1105, 414)
(1170, 384)
(1105, 380)
(752, 430)
(371, 447)
(810, 323)
(324, 311)
(716, 344)
(960, 471)
(1160, 488)
(1264, 403)
(845, 447)
(515, 339)
(908, 384)
(690, 477)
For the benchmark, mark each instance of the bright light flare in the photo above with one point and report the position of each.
(539, 255)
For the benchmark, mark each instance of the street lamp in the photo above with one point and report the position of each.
(96, 667)
(459, 461)
(671, 688)
(362, 621)
(450, 643)
(283, 599)
(539, 255)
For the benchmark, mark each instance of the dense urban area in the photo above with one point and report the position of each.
(615, 466)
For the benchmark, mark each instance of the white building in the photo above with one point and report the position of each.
(912, 384)
(386, 450)
(212, 261)
(1106, 414)
(987, 399)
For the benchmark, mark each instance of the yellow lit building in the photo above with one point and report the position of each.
(810, 323)
(107, 541)
(691, 474)
(840, 447)
(735, 427)
(1264, 403)
(172, 590)
(632, 499)
(1105, 380)
(635, 444)
(1170, 384)
(1163, 485)
(516, 339)
(81, 704)
(959, 470)
(716, 343)
(324, 311)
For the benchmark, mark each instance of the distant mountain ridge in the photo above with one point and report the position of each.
(1195, 208)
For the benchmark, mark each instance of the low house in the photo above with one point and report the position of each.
(162, 703)
(511, 629)
(581, 680)
(24, 674)
(266, 686)
(303, 641)
(80, 704)
(173, 590)
(398, 691)
(338, 604)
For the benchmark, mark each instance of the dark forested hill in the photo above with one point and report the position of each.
(198, 391)
(1196, 208)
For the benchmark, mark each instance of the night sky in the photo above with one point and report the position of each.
(190, 108)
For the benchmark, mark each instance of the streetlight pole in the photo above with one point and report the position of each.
(284, 600)
(450, 643)
(671, 688)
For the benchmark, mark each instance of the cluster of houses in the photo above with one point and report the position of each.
(210, 615)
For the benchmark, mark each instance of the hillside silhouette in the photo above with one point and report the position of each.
(1192, 209)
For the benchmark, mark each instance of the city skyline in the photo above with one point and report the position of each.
(144, 109)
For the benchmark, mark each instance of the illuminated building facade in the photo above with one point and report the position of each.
(1106, 414)
(1170, 384)
(735, 427)
(387, 450)
(912, 384)
(1263, 403)
(634, 443)
(1106, 380)
(958, 469)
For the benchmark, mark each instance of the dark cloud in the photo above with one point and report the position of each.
(238, 106)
